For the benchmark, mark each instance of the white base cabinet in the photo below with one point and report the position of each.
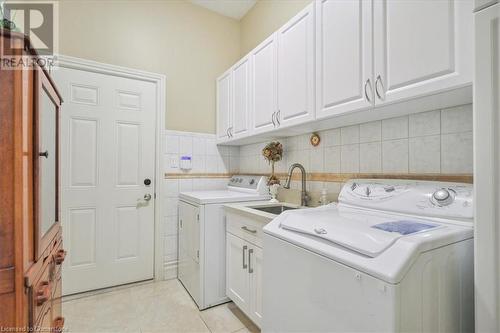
(244, 263)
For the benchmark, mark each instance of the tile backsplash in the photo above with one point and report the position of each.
(433, 142)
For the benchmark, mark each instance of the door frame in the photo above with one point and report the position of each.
(160, 82)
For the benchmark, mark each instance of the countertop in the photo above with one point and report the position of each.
(244, 208)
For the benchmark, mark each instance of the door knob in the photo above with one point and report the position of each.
(147, 197)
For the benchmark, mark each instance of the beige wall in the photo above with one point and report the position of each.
(266, 17)
(187, 43)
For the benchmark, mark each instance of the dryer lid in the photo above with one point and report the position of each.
(366, 233)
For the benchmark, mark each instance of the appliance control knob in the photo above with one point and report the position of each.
(442, 197)
(252, 181)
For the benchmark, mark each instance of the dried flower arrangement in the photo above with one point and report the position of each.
(273, 152)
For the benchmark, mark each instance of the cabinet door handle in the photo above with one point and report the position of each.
(227, 132)
(43, 293)
(59, 257)
(278, 117)
(366, 92)
(244, 250)
(44, 154)
(253, 231)
(272, 118)
(379, 79)
(231, 131)
(250, 269)
(58, 324)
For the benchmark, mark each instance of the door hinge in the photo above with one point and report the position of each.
(198, 217)
(198, 254)
(154, 195)
(180, 223)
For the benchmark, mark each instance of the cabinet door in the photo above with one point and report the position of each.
(344, 56)
(296, 69)
(241, 98)
(46, 162)
(264, 80)
(421, 47)
(189, 247)
(237, 277)
(223, 105)
(487, 168)
(255, 270)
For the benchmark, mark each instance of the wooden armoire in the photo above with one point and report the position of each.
(31, 251)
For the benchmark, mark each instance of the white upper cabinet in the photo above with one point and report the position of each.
(296, 69)
(264, 98)
(240, 124)
(344, 71)
(421, 47)
(223, 105)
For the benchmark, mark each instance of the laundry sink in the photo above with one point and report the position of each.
(274, 209)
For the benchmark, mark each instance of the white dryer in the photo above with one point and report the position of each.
(391, 256)
(202, 236)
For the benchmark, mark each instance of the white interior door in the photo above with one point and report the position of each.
(108, 151)
(344, 56)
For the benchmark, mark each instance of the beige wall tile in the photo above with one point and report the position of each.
(370, 157)
(332, 159)
(425, 154)
(349, 135)
(349, 158)
(425, 123)
(395, 128)
(456, 119)
(457, 153)
(370, 132)
(395, 156)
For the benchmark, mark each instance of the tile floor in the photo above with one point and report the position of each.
(150, 307)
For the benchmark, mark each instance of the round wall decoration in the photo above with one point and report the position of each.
(315, 139)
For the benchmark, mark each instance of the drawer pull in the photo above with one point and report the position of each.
(60, 256)
(249, 230)
(43, 293)
(58, 324)
(250, 268)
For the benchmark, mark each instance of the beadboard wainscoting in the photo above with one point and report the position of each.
(211, 169)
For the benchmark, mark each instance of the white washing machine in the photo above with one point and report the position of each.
(202, 237)
(391, 256)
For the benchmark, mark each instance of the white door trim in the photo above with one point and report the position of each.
(160, 81)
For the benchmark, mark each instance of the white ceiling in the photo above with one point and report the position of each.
(230, 8)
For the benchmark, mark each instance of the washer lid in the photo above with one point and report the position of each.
(365, 233)
(219, 196)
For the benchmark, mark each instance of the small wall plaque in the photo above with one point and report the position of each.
(315, 139)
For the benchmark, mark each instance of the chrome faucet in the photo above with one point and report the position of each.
(304, 198)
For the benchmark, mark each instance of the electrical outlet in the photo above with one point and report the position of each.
(174, 162)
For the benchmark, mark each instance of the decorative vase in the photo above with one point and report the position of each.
(273, 189)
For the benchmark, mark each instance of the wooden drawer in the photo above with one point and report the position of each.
(245, 227)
